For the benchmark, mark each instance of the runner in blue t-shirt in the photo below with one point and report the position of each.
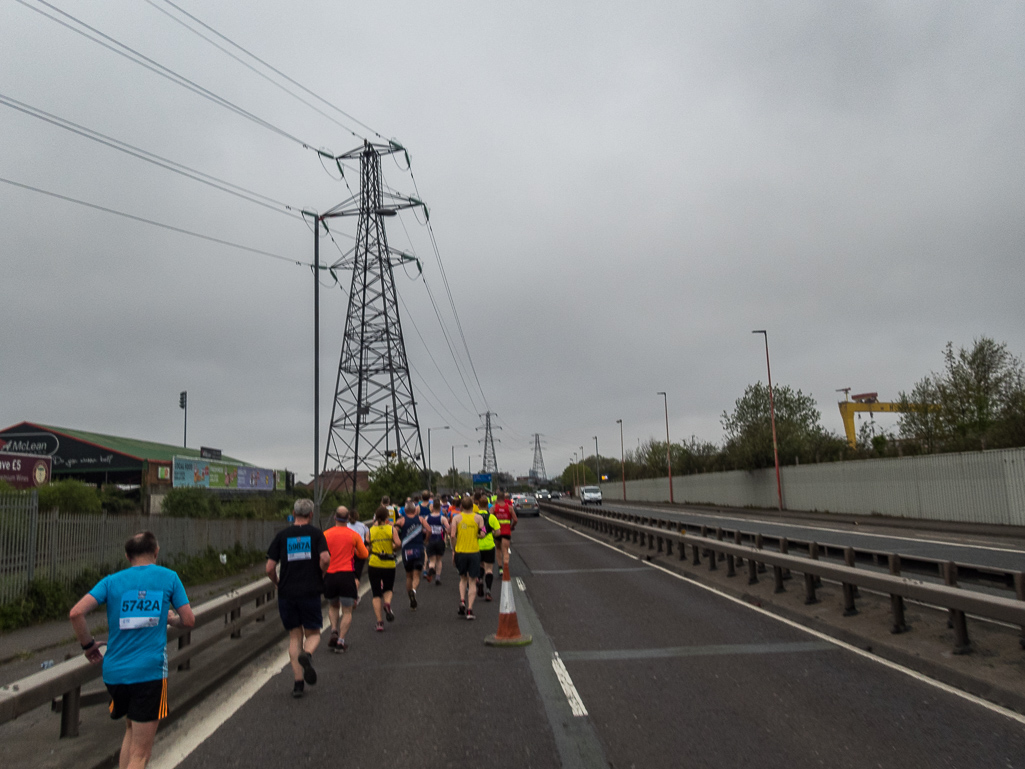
(411, 527)
(139, 603)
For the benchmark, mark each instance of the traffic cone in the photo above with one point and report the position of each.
(508, 626)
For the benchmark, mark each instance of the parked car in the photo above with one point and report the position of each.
(590, 495)
(544, 494)
(526, 506)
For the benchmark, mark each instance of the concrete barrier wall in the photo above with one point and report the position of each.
(972, 487)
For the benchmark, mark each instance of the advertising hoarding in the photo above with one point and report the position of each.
(24, 471)
(202, 473)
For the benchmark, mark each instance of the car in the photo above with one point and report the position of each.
(590, 495)
(556, 495)
(526, 505)
(544, 494)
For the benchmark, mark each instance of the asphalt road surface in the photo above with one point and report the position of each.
(978, 550)
(630, 666)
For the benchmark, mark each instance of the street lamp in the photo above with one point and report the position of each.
(430, 468)
(454, 447)
(669, 452)
(583, 475)
(772, 417)
(597, 467)
(622, 457)
(574, 472)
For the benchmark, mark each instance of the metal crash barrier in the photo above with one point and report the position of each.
(65, 680)
(661, 535)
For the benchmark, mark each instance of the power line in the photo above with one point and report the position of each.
(157, 160)
(154, 223)
(245, 64)
(143, 61)
(278, 72)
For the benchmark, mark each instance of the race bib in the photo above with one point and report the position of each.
(437, 531)
(299, 548)
(140, 609)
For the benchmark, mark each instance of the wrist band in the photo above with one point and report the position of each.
(89, 645)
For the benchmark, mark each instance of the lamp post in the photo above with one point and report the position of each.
(772, 417)
(669, 450)
(430, 468)
(183, 404)
(574, 472)
(583, 474)
(622, 457)
(454, 447)
(597, 467)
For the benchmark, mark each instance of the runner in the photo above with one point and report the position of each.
(392, 510)
(340, 586)
(302, 552)
(437, 527)
(466, 529)
(411, 528)
(487, 552)
(358, 563)
(381, 565)
(506, 515)
(139, 601)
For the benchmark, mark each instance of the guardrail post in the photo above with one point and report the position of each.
(697, 550)
(683, 539)
(738, 539)
(957, 618)
(896, 601)
(260, 600)
(849, 609)
(235, 614)
(69, 712)
(183, 641)
(720, 556)
(1019, 590)
(784, 547)
(759, 543)
(777, 573)
(809, 579)
(752, 567)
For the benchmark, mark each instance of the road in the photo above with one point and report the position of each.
(976, 549)
(631, 666)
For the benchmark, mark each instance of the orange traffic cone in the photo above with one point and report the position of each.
(508, 627)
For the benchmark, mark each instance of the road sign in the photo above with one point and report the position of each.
(482, 478)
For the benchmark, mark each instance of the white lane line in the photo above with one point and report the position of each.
(585, 536)
(520, 584)
(847, 531)
(860, 652)
(575, 703)
(198, 730)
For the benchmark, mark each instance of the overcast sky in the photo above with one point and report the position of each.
(620, 193)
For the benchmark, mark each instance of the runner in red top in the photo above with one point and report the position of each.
(506, 515)
(340, 588)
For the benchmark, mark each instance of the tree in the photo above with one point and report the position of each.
(976, 402)
(798, 432)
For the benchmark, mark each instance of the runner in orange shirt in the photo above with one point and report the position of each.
(340, 588)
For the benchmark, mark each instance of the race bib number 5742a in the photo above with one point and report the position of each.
(140, 609)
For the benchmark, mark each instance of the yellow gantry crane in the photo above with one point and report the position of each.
(853, 404)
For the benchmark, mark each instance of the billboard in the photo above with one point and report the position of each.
(24, 471)
(205, 474)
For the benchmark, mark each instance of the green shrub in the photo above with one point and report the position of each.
(187, 503)
(69, 496)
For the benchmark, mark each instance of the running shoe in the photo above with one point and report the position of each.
(333, 641)
(480, 589)
(412, 599)
(487, 595)
(342, 646)
(437, 582)
(309, 674)
(298, 690)
(380, 627)
(388, 613)
(470, 614)
(500, 570)
(462, 609)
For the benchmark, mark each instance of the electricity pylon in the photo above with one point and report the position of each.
(373, 419)
(490, 462)
(538, 473)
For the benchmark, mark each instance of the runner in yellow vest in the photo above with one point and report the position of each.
(467, 528)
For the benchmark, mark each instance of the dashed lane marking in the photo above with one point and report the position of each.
(520, 584)
(585, 571)
(576, 705)
(610, 655)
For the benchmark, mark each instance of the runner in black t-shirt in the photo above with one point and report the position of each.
(302, 552)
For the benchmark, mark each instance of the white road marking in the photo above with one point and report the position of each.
(520, 584)
(575, 703)
(197, 729)
(860, 652)
(585, 536)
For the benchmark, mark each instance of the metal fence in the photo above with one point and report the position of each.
(969, 487)
(60, 546)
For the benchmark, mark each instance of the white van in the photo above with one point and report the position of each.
(590, 495)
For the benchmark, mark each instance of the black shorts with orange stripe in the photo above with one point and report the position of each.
(142, 702)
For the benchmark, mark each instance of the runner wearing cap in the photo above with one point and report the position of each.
(466, 529)
(381, 565)
(506, 515)
(340, 587)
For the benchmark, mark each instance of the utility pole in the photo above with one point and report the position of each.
(622, 457)
(772, 416)
(373, 391)
(669, 447)
(597, 467)
(490, 462)
(538, 472)
(183, 403)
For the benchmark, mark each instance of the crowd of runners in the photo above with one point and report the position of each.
(307, 564)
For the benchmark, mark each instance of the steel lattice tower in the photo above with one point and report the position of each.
(490, 462)
(538, 472)
(373, 418)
